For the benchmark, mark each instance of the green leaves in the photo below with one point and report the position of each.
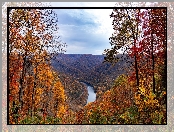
(122, 79)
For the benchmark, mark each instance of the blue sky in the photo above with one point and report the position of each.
(85, 31)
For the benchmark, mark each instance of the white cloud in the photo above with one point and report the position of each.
(98, 34)
(75, 47)
(99, 16)
(98, 52)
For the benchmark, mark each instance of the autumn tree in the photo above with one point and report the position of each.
(49, 92)
(148, 47)
(152, 45)
(31, 38)
(137, 34)
(125, 36)
(159, 17)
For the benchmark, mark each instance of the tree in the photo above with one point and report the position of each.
(31, 38)
(153, 43)
(125, 36)
(137, 33)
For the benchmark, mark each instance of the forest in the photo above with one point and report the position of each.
(44, 83)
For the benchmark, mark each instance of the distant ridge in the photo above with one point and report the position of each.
(90, 68)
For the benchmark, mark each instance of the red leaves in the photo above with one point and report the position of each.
(132, 77)
(135, 40)
(146, 33)
(44, 114)
(11, 98)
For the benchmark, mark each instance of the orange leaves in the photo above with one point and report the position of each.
(30, 75)
(38, 93)
(29, 86)
(58, 91)
(60, 98)
(23, 23)
(15, 66)
(14, 30)
(113, 102)
(49, 82)
(45, 76)
(47, 37)
(34, 27)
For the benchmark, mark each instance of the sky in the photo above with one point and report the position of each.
(85, 31)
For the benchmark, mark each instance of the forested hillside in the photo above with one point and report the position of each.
(45, 85)
(91, 69)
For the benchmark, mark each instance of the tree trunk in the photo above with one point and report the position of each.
(33, 95)
(153, 60)
(136, 64)
(22, 82)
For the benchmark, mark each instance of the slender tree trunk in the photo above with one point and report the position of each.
(153, 60)
(22, 82)
(33, 93)
(153, 69)
(136, 69)
(136, 64)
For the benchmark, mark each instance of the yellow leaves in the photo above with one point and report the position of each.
(125, 116)
(145, 99)
(121, 80)
(137, 99)
(39, 91)
(164, 93)
(45, 76)
(89, 113)
(24, 25)
(142, 89)
(157, 116)
(153, 115)
(58, 90)
(59, 95)
(61, 111)
(151, 100)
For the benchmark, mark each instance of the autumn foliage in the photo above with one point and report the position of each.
(142, 33)
(33, 85)
(36, 94)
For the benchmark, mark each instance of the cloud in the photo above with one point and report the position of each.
(75, 48)
(85, 30)
(98, 52)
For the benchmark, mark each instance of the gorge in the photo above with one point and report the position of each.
(97, 77)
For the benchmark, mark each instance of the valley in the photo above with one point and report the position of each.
(90, 69)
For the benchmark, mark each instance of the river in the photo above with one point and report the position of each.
(91, 93)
